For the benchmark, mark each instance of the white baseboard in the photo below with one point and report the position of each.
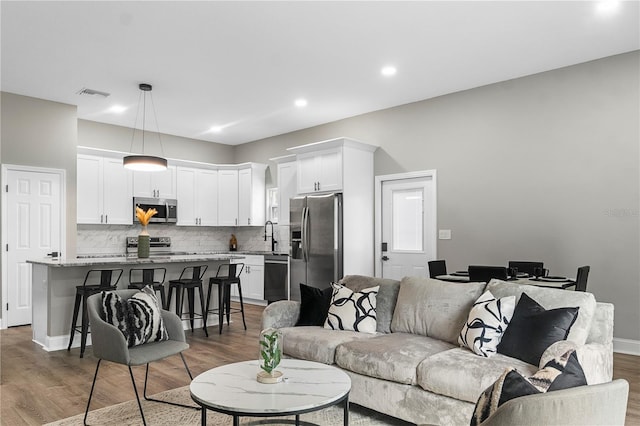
(626, 346)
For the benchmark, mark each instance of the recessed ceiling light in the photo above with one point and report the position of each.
(607, 7)
(215, 129)
(301, 103)
(117, 109)
(388, 71)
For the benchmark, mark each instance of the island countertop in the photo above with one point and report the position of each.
(134, 260)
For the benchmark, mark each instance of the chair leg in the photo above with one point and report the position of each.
(135, 389)
(220, 307)
(179, 301)
(85, 326)
(227, 302)
(74, 320)
(169, 297)
(241, 305)
(163, 300)
(205, 314)
(146, 376)
(190, 296)
(95, 376)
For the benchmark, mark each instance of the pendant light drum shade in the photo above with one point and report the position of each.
(142, 162)
(145, 163)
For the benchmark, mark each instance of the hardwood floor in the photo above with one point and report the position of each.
(38, 387)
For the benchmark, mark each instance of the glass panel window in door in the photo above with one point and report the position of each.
(407, 220)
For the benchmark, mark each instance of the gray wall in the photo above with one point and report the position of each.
(117, 138)
(544, 167)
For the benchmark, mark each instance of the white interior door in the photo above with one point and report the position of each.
(408, 227)
(33, 225)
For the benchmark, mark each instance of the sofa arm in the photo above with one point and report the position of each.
(596, 359)
(603, 404)
(174, 327)
(283, 313)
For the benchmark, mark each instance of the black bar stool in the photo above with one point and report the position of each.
(224, 283)
(107, 283)
(141, 277)
(190, 279)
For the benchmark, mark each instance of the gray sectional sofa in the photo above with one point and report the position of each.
(413, 368)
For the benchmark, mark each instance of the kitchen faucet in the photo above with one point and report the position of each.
(273, 241)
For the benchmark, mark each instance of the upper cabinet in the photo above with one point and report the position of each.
(228, 197)
(104, 191)
(197, 194)
(287, 185)
(251, 195)
(155, 184)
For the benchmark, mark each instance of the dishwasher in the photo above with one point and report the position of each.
(276, 277)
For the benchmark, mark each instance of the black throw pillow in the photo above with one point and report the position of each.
(560, 373)
(314, 305)
(533, 329)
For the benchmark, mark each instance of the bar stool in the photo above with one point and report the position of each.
(190, 279)
(141, 277)
(224, 283)
(107, 283)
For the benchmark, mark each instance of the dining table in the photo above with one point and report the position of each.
(522, 278)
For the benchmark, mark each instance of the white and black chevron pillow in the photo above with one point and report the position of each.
(138, 318)
(487, 321)
(350, 310)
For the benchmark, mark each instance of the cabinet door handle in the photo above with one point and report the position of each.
(236, 220)
(318, 186)
(249, 221)
(106, 218)
(101, 216)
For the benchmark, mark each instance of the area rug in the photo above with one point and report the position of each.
(158, 414)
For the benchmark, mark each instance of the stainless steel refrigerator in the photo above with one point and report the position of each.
(315, 223)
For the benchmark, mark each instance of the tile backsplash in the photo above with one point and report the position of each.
(97, 239)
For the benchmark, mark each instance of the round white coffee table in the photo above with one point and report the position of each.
(307, 386)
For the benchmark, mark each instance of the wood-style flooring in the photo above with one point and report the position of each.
(38, 387)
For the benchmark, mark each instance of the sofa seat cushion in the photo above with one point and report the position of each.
(317, 343)
(391, 357)
(459, 373)
(434, 308)
(552, 298)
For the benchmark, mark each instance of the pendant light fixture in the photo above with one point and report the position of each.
(142, 162)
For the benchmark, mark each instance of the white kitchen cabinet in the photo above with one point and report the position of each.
(251, 279)
(197, 194)
(228, 197)
(155, 184)
(287, 186)
(320, 171)
(104, 191)
(251, 195)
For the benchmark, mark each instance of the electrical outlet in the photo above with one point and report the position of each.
(444, 234)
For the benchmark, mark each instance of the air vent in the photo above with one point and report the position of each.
(85, 91)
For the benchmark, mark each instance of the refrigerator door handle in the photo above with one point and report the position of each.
(305, 236)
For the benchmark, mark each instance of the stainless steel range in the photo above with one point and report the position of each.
(158, 246)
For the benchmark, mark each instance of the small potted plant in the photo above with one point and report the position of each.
(270, 356)
(143, 238)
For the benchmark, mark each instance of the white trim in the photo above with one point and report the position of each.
(63, 223)
(378, 210)
(626, 346)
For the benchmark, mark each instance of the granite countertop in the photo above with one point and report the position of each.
(134, 260)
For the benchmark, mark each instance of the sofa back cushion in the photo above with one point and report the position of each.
(434, 308)
(552, 298)
(385, 300)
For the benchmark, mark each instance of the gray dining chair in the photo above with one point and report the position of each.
(109, 344)
(437, 267)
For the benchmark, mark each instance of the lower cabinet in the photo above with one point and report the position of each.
(252, 279)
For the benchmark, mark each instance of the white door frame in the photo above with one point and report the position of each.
(6, 168)
(378, 211)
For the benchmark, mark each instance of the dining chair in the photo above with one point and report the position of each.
(190, 279)
(109, 344)
(526, 266)
(437, 267)
(581, 278)
(108, 280)
(486, 273)
(154, 277)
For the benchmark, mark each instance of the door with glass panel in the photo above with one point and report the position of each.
(408, 227)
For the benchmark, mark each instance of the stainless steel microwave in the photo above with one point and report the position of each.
(167, 209)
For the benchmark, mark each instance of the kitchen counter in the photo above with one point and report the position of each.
(54, 288)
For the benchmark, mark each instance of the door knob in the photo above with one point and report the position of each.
(385, 258)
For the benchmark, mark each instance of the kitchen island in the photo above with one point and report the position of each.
(54, 284)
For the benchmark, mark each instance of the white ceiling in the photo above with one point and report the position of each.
(241, 65)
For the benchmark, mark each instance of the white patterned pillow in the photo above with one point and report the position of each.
(138, 318)
(350, 310)
(486, 323)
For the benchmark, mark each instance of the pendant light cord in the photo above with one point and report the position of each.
(143, 95)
